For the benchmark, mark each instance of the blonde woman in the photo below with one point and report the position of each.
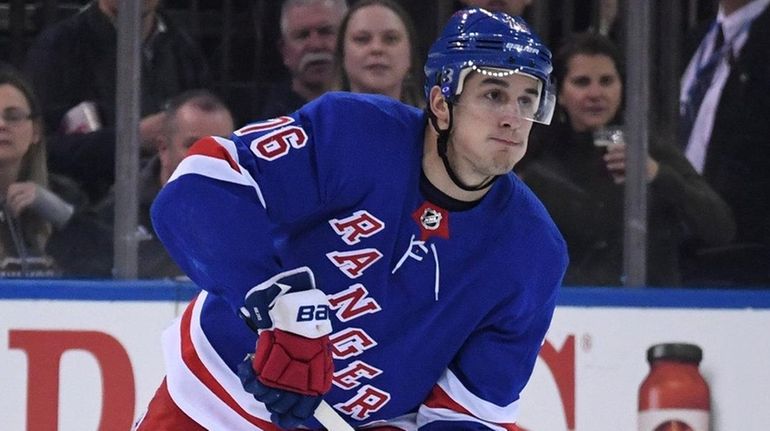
(29, 209)
(376, 52)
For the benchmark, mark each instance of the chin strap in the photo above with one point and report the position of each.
(442, 142)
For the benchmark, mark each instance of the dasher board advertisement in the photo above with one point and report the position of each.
(595, 357)
(87, 356)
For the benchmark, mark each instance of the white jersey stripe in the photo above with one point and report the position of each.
(211, 167)
(218, 169)
(476, 406)
(192, 395)
(450, 400)
(427, 415)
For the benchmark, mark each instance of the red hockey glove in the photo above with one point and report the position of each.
(292, 366)
(292, 362)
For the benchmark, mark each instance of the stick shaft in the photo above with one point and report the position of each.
(330, 419)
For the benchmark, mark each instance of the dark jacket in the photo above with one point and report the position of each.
(84, 248)
(75, 61)
(738, 166)
(738, 158)
(23, 238)
(280, 100)
(566, 171)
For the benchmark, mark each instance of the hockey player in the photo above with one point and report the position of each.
(379, 257)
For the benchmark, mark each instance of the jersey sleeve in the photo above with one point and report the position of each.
(227, 210)
(218, 214)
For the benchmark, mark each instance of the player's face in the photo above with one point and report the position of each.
(192, 124)
(489, 135)
(591, 91)
(511, 7)
(17, 130)
(376, 51)
(307, 45)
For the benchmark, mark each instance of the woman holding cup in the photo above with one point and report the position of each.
(32, 202)
(577, 168)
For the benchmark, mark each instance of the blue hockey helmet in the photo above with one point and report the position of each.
(479, 40)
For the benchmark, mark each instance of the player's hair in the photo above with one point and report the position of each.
(201, 99)
(411, 91)
(341, 6)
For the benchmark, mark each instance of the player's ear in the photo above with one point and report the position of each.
(439, 106)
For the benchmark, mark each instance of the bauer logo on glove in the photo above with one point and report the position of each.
(302, 313)
(308, 313)
(288, 301)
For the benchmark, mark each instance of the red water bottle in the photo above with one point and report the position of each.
(674, 396)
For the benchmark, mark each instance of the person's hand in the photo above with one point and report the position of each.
(21, 196)
(292, 365)
(615, 161)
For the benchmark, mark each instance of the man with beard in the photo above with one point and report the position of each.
(308, 34)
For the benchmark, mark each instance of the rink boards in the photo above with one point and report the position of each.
(85, 355)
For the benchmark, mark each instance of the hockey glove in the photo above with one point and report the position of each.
(288, 409)
(292, 366)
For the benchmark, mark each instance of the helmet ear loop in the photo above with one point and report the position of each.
(442, 142)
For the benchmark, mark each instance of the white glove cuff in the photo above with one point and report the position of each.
(303, 313)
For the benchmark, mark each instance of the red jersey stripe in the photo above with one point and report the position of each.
(439, 399)
(196, 366)
(209, 146)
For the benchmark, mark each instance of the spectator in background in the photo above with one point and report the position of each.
(73, 67)
(377, 53)
(30, 210)
(85, 247)
(511, 7)
(724, 102)
(581, 183)
(308, 33)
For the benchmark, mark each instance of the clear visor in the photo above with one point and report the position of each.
(534, 104)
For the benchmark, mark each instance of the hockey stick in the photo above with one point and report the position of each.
(330, 419)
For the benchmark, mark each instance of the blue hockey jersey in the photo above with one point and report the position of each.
(438, 314)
